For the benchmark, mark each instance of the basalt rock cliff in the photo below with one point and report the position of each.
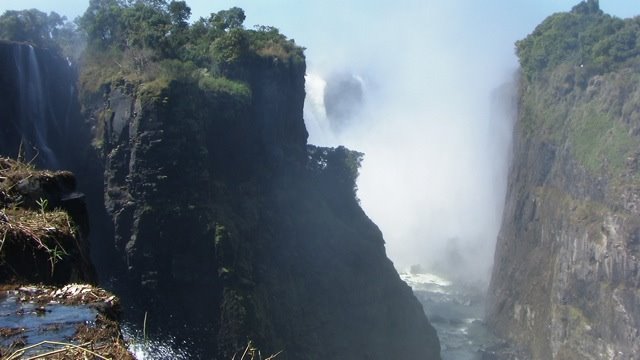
(566, 273)
(227, 226)
(233, 229)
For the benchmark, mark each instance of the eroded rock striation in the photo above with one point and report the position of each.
(234, 229)
(566, 274)
(230, 227)
(225, 225)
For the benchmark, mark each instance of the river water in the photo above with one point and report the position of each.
(456, 311)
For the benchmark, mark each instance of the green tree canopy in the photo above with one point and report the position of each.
(584, 37)
(228, 19)
(32, 26)
(179, 13)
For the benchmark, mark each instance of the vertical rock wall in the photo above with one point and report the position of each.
(566, 273)
(229, 235)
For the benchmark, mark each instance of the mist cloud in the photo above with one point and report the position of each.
(434, 129)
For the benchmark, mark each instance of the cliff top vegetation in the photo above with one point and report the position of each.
(585, 36)
(580, 76)
(152, 41)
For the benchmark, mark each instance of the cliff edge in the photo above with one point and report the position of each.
(566, 271)
(229, 226)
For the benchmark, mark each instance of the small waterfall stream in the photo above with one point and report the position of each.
(33, 107)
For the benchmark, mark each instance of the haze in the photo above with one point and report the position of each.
(434, 127)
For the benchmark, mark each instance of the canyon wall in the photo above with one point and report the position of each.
(566, 273)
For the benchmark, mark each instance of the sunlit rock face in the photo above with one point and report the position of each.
(566, 269)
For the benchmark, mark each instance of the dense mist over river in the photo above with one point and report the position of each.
(439, 83)
(434, 122)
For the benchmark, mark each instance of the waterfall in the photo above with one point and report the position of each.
(32, 121)
(315, 114)
(332, 109)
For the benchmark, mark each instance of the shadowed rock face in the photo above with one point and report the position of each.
(566, 270)
(232, 229)
(227, 225)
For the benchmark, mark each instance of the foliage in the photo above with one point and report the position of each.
(135, 35)
(585, 37)
(230, 50)
(268, 42)
(220, 84)
(50, 31)
(42, 229)
(598, 140)
(338, 166)
(228, 19)
(179, 13)
(32, 26)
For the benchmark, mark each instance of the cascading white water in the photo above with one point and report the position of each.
(33, 105)
(315, 114)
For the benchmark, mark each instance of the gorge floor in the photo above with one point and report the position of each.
(456, 310)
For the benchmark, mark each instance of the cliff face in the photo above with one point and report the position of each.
(566, 269)
(232, 229)
(226, 226)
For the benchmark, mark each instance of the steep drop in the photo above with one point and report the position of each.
(566, 270)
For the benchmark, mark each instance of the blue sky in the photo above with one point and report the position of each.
(434, 132)
(316, 24)
(341, 31)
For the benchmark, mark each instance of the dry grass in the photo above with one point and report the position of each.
(99, 340)
(253, 353)
(43, 232)
(54, 350)
(25, 223)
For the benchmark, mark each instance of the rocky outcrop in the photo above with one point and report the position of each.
(232, 229)
(227, 227)
(43, 227)
(566, 270)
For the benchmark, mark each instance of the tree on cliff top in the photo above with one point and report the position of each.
(50, 31)
(31, 26)
(584, 37)
(149, 40)
(228, 19)
(587, 7)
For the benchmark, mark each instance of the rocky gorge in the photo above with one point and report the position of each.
(565, 276)
(198, 200)
(211, 215)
